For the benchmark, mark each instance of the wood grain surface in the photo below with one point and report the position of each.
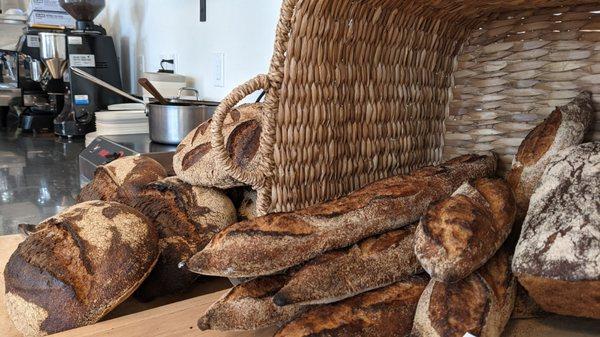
(179, 319)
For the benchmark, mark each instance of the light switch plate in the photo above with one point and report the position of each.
(219, 69)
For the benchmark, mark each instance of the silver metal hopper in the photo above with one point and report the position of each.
(53, 51)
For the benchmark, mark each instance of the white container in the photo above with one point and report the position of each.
(44, 5)
(167, 84)
(51, 18)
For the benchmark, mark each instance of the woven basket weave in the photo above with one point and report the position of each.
(359, 90)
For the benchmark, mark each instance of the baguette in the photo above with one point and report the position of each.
(249, 306)
(122, 179)
(77, 266)
(565, 127)
(386, 312)
(187, 217)
(280, 241)
(373, 263)
(557, 258)
(460, 234)
(480, 305)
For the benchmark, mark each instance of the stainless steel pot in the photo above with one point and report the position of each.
(170, 123)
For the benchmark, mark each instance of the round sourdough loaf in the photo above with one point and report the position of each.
(122, 179)
(78, 266)
(186, 217)
(195, 160)
(557, 258)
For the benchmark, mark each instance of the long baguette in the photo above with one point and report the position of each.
(386, 312)
(373, 263)
(249, 306)
(276, 242)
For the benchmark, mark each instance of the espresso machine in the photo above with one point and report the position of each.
(86, 47)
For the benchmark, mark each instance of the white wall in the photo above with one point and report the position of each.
(242, 29)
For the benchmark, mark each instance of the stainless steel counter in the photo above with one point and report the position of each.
(39, 177)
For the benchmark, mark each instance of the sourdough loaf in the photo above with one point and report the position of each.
(78, 266)
(373, 263)
(557, 258)
(565, 127)
(480, 305)
(249, 306)
(195, 160)
(187, 217)
(276, 242)
(460, 234)
(122, 179)
(386, 312)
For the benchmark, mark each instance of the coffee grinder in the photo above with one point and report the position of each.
(89, 48)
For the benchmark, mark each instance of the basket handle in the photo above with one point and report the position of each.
(256, 178)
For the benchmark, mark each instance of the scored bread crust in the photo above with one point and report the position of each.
(249, 306)
(480, 305)
(371, 264)
(186, 217)
(556, 258)
(276, 242)
(385, 312)
(122, 179)
(195, 161)
(460, 234)
(565, 127)
(77, 266)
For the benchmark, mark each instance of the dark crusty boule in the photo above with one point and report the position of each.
(78, 266)
(186, 217)
(122, 179)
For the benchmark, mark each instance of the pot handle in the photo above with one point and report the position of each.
(256, 179)
(181, 90)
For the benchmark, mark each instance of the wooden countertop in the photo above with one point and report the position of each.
(179, 319)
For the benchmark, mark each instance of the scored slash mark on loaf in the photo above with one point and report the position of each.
(195, 161)
(56, 279)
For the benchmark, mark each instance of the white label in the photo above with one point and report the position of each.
(75, 40)
(469, 335)
(33, 41)
(82, 60)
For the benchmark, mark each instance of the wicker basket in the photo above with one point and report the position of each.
(364, 89)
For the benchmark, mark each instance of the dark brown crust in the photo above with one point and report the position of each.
(461, 233)
(104, 187)
(172, 206)
(195, 155)
(481, 304)
(382, 206)
(581, 298)
(380, 313)
(249, 306)
(56, 269)
(539, 140)
(532, 155)
(459, 307)
(243, 142)
(374, 263)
